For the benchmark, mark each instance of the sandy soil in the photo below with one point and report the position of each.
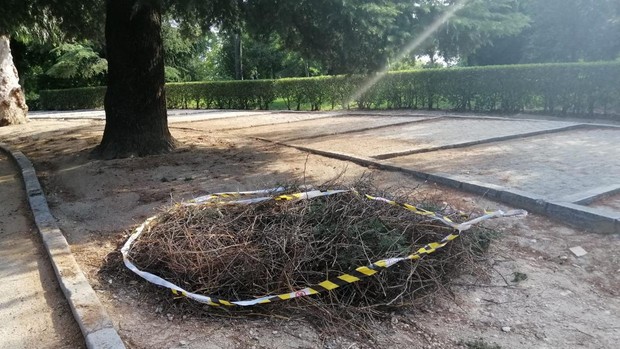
(33, 310)
(611, 203)
(564, 302)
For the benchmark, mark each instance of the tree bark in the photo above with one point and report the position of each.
(13, 108)
(238, 57)
(135, 100)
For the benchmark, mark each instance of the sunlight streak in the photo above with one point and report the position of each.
(408, 49)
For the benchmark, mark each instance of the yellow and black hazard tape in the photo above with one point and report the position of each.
(233, 194)
(324, 286)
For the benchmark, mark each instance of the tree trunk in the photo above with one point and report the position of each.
(13, 108)
(135, 100)
(238, 57)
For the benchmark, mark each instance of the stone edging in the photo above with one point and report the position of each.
(89, 313)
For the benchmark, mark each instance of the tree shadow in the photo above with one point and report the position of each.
(92, 198)
(26, 269)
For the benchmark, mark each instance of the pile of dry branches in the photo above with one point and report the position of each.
(236, 252)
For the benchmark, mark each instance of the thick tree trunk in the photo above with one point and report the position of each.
(13, 108)
(135, 101)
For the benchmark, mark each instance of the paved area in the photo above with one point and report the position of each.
(551, 159)
(538, 159)
(221, 121)
(422, 135)
(553, 165)
(33, 310)
(319, 127)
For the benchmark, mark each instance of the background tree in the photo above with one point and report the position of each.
(573, 30)
(191, 54)
(361, 36)
(135, 101)
(36, 20)
(340, 36)
(500, 51)
(13, 108)
(136, 120)
(344, 36)
(559, 31)
(478, 23)
(77, 65)
(265, 57)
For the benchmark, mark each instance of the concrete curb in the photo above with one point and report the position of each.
(587, 218)
(89, 313)
(365, 129)
(589, 196)
(481, 141)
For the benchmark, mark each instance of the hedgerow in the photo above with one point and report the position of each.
(579, 88)
(72, 99)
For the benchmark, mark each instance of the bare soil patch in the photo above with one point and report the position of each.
(537, 295)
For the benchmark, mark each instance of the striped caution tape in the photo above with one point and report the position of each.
(233, 194)
(327, 285)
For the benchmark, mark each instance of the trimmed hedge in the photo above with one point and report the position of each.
(72, 98)
(580, 88)
(248, 94)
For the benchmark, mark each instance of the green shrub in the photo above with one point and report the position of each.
(578, 88)
(297, 91)
(73, 98)
(248, 94)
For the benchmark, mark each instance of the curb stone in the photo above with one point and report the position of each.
(482, 141)
(592, 195)
(597, 219)
(95, 324)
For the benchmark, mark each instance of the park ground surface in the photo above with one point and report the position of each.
(33, 310)
(565, 301)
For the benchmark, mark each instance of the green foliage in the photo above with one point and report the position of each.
(365, 36)
(73, 98)
(344, 36)
(558, 31)
(264, 57)
(76, 61)
(51, 20)
(298, 91)
(476, 24)
(579, 88)
(191, 54)
(248, 94)
(573, 30)
(172, 74)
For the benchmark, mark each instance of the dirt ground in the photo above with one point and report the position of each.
(561, 302)
(33, 310)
